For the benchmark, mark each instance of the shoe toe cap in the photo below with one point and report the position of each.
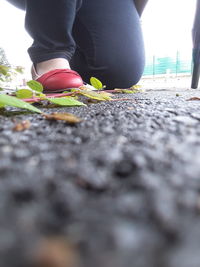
(58, 80)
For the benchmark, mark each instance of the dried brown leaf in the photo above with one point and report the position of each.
(22, 126)
(84, 88)
(55, 252)
(67, 117)
(193, 98)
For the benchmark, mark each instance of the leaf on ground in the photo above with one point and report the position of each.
(69, 91)
(67, 117)
(96, 83)
(92, 101)
(24, 93)
(42, 96)
(126, 91)
(84, 87)
(66, 101)
(106, 95)
(21, 126)
(101, 96)
(54, 252)
(12, 101)
(88, 87)
(194, 98)
(35, 86)
(136, 87)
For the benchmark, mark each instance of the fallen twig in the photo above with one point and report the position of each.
(37, 99)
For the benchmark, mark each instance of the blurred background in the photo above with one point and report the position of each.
(166, 24)
(167, 27)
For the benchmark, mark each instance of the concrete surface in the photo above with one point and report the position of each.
(123, 186)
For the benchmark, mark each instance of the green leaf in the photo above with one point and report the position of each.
(2, 106)
(15, 102)
(4, 70)
(42, 96)
(71, 90)
(96, 83)
(66, 101)
(1, 89)
(101, 96)
(136, 87)
(35, 86)
(24, 93)
(126, 91)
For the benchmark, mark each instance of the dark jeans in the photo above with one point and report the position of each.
(100, 38)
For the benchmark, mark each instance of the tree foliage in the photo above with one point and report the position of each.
(3, 58)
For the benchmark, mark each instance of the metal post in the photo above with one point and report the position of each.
(196, 48)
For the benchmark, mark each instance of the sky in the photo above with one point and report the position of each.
(166, 25)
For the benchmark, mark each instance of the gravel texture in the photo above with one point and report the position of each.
(122, 187)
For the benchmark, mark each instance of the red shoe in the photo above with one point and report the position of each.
(58, 80)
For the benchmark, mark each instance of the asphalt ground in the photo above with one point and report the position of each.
(119, 189)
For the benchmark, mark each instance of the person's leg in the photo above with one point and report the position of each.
(18, 3)
(140, 6)
(50, 22)
(109, 43)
